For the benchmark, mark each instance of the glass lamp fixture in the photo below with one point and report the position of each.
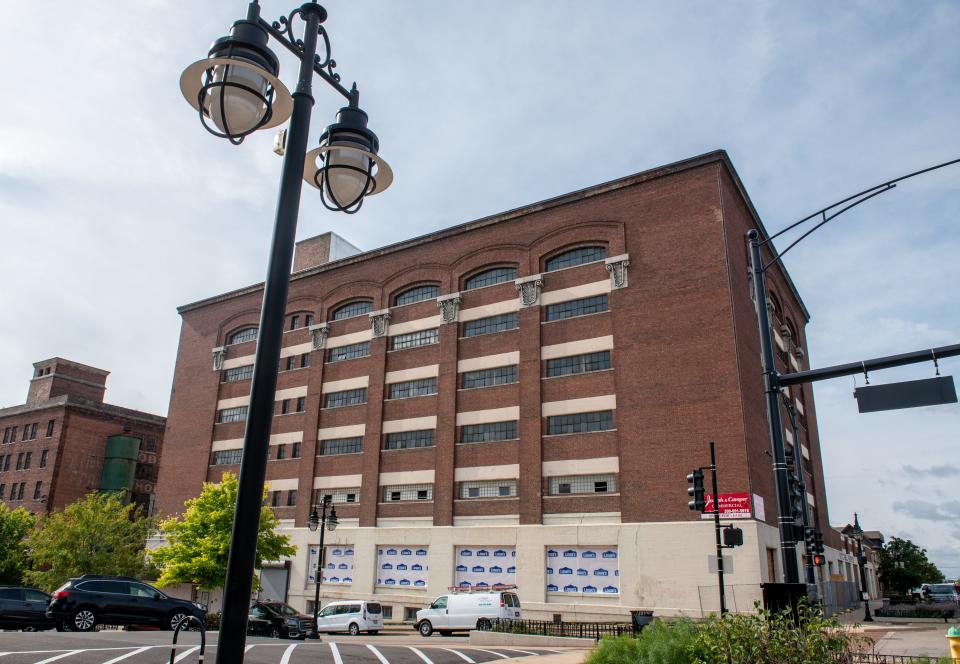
(332, 520)
(235, 89)
(314, 521)
(346, 167)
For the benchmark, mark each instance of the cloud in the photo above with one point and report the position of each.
(921, 509)
(943, 470)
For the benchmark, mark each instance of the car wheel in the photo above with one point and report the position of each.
(354, 629)
(29, 628)
(275, 633)
(83, 620)
(483, 624)
(425, 628)
(177, 618)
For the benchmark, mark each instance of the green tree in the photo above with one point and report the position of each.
(15, 525)
(96, 534)
(198, 542)
(916, 568)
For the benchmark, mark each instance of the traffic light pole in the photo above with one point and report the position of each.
(716, 526)
(802, 483)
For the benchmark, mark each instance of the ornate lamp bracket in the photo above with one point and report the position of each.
(449, 306)
(318, 335)
(380, 321)
(219, 354)
(617, 267)
(529, 289)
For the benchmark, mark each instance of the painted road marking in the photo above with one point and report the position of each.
(460, 655)
(56, 657)
(186, 653)
(287, 653)
(376, 652)
(421, 655)
(336, 653)
(493, 652)
(525, 652)
(248, 648)
(129, 654)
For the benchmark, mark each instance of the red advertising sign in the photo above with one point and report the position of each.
(732, 506)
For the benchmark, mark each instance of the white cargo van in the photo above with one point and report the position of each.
(350, 616)
(465, 610)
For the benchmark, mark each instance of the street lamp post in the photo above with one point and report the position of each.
(857, 533)
(323, 523)
(236, 91)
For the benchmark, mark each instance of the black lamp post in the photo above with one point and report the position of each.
(236, 91)
(323, 523)
(857, 532)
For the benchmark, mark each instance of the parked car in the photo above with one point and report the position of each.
(351, 616)
(463, 611)
(939, 592)
(278, 620)
(90, 600)
(24, 608)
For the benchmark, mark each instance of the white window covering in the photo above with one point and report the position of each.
(486, 565)
(584, 570)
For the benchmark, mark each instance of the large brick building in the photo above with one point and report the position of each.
(516, 399)
(65, 442)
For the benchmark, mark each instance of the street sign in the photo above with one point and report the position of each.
(906, 394)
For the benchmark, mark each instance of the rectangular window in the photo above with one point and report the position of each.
(583, 569)
(6, 462)
(289, 363)
(295, 451)
(402, 566)
(489, 489)
(6, 435)
(234, 374)
(36, 490)
(486, 566)
(227, 457)
(285, 406)
(489, 325)
(292, 498)
(13, 434)
(26, 460)
(20, 461)
(392, 494)
(295, 322)
(275, 498)
(350, 352)
(305, 360)
(580, 422)
(582, 484)
(490, 431)
(308, 320)
(238, 414)
(409, 439)
(575, 364)
(488, 377)
(3, 488)
(349, 495)
(301, 404)
(338, 564)
(281, 452)
(412, 388)
(345, 398)
(23, 485)
(341, 446)
(582, 307)
(50, 428)
(414, 339)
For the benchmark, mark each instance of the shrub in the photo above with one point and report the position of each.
(661, 642)
(212, 620)
(938, 610)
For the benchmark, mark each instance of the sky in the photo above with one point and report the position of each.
(116, 206)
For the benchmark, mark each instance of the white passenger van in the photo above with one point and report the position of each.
(350, 616)
(465, 609)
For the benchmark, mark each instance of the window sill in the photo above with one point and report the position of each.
(560, 320)
(351, 405)
(575, 433)
(405, 502)
(400, 350)
(582, 373)
(481, 387)
(581, 495)
(340, 454)
(487, 442)
(346, 359)
(487, 334)
(299, 412)
(414, 396)
(407, 449)
(479, 498)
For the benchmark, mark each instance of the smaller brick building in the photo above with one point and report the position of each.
(57, 446)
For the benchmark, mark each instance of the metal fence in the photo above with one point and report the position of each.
(838, 596)
(583, 630)
(872, 658)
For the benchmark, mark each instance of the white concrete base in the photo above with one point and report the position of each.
(478, 638)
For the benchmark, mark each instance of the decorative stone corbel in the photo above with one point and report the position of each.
(380, 320)
(219, 354)
(529, 289)
(617, 267)
(449, 306)
(318, 335)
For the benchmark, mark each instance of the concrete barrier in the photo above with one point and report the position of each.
(484, 638)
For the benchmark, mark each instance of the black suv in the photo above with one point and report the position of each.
(83, 603)
(23, 608)
(279, 620)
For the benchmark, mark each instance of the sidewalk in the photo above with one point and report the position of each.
(570, 657)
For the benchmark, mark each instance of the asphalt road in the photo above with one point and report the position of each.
(154, 648)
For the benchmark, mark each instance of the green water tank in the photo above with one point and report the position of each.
(119, 463)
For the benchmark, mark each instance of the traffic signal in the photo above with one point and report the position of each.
(695, 479)
(819, 559)
(818, 542)
(732, 537)
(796, 497)
(809, 539)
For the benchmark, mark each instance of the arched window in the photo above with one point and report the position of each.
(351, 309)
(774, 304)
(495, 275)
(416, 294)
(577, 256)
(242, 336)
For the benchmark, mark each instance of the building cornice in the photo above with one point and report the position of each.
(76, 403)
